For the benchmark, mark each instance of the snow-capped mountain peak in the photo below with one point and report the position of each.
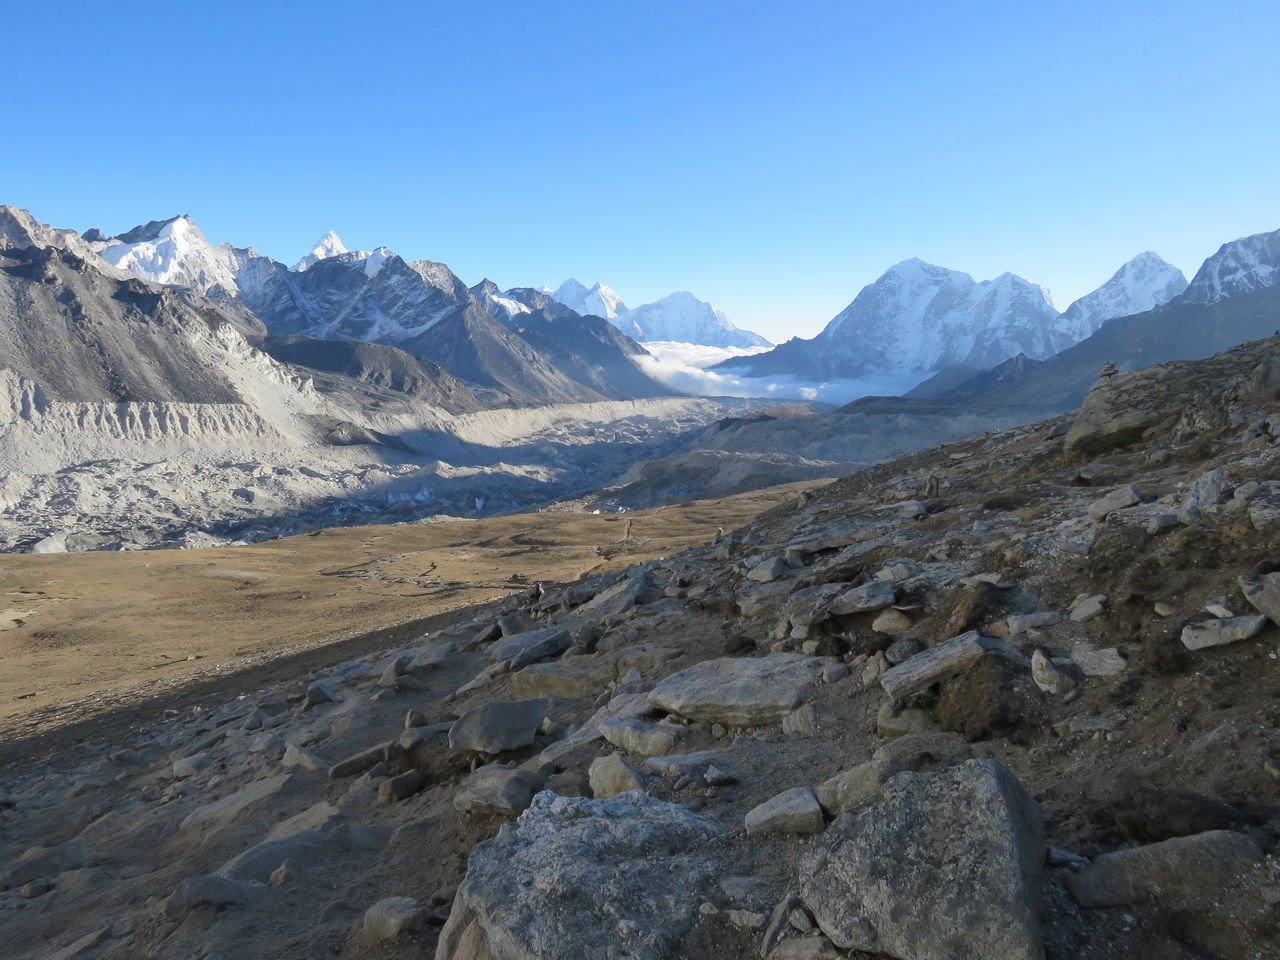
(1142, 284)
(679, 317)
(174, 252)
(1241, 266)
(330, 245)
(598, 301)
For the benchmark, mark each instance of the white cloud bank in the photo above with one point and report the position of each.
(682, 366)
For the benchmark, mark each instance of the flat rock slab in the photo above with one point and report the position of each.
(1118, 499)
(495, 727)
(738, 691)
(577, 678)
(221, 812)
(945, 864)
(937, 663)
(1185, 872)
(640, 736)
(501, 791)
(525, 648)
(575, 878)
(792, 811)
(1218, 633)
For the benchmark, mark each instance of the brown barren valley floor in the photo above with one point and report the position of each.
(87, 634)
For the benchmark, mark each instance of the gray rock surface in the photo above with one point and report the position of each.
(1187, 872)
(793, 811)
(575, 878)
(1218, 633)
(497, 790)
(940, 865)
(738, 691)
(494, 727)
(612, 775)
(1263, 593)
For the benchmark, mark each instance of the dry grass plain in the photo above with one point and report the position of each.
(85, 635)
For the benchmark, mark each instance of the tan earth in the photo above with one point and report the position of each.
(86, 633)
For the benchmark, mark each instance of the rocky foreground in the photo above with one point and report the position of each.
(1015, 697)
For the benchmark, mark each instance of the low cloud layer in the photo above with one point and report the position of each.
(682, 366)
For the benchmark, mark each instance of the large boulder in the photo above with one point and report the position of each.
(945, 864)
(576, 878)
(522, 649)
(1183, 872)
(738, 691)
(495, 727)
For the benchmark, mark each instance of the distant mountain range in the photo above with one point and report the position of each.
(418, 306)
(919, 317)
(679, 317)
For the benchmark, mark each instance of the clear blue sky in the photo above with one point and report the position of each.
(770, 157)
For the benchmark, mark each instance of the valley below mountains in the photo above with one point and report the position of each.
(1009, 698)
(159, 391)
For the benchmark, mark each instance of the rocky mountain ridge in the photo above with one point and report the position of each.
(135, 414)
(418, 306)
(678, 317)
(1009, 698)
(919, 317)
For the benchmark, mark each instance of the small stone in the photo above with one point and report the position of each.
(715, 777)
(1048, 677)
(414, 718)
(793, 811)
(612, 775)
(1217, 633)
(296, 756)
(891, 621)
(1162, 522)
(392, 918)
(318, 694)
(903, 649)
(1220, 611)
(186, 767)
(35, 888)
(746, 919)
(498, 791)
(641, 736)
(1088, 608)
(801, 920)
(401, 787)
(205, 891)
(802, 721)
(1020, 623)
(835, 673)
(1162, 609)
(1118, 499)
(362, 761)
(769, 570)
(911, 720)
(874, 668)
(875, 595)
(1098, 663)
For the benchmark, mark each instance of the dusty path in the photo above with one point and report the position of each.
(90, 640)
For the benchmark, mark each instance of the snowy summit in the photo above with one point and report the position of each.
(330, 245)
